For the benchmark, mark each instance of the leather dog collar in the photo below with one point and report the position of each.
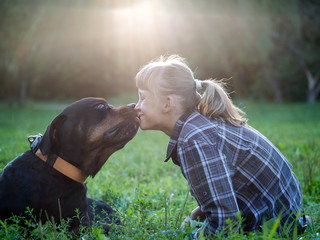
(63, 167)
(56, 162)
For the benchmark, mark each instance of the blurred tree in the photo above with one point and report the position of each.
(18, 26)
(72, 49)
(297, 48)
(310, 55)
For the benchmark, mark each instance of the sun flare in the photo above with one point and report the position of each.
(137, 25)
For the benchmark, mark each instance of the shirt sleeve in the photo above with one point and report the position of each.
(209, 175)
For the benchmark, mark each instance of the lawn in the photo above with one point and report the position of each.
(152, 196)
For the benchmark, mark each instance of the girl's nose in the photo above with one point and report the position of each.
(137, 106)
(131, 105)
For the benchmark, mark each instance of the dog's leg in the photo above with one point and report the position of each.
(101, 214)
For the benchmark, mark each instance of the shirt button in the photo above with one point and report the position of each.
(204, 193)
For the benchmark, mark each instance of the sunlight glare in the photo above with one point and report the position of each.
(136, 25)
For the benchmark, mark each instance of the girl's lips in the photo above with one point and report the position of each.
(137, 119)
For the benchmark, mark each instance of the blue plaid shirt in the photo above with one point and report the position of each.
(233, 169)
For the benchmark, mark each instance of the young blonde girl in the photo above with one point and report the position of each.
(230, 167)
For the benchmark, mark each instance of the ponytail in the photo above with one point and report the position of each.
(216, 104)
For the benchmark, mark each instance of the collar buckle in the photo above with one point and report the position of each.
(34, 141)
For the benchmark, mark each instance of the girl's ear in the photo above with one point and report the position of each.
(168, 104)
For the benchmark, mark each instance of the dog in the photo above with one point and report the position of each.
(50, 178)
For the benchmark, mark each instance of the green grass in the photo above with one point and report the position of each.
(150, 194)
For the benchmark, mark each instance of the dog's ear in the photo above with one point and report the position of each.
(49, 138)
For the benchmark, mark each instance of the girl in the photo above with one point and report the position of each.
(230, 167)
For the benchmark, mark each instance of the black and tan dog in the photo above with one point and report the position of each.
(50, 177)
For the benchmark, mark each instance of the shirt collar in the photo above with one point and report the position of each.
(172, 145)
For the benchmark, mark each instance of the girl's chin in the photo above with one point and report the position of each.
(143, 128)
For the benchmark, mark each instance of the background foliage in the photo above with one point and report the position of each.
(71, 49)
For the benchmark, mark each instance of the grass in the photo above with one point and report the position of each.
(150, 195)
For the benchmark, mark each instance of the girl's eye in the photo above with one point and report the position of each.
(100, 106)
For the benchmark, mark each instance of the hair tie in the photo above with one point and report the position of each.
(198, 83)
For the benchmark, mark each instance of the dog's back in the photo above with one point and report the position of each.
(27, 181)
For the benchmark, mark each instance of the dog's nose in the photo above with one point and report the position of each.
(131, 105)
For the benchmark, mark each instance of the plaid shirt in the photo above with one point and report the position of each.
(233, 169)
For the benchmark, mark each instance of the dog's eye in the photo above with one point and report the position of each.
(100, 106)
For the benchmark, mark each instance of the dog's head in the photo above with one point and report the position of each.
(88, 131)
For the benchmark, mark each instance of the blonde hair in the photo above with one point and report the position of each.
(171, 75)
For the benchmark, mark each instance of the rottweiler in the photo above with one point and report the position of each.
(50, 178)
